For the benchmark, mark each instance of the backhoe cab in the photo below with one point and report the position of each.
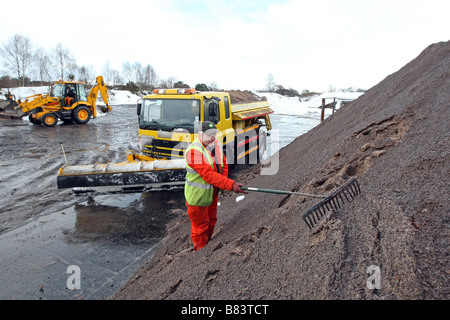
(67, 101)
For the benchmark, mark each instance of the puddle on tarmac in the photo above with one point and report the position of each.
(125, 219)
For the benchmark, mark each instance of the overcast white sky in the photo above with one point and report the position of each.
(237, 43)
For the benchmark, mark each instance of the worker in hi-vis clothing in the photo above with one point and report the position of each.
(206, 173)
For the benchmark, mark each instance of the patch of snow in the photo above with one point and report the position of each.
(120, 97)
(23, 93)
(294, 106)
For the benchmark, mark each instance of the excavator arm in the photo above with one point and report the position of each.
(93, 94)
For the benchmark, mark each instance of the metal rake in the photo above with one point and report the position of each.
(335, 201)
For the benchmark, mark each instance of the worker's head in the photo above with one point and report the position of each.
(208, 133)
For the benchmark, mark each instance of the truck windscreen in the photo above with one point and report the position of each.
(169, 114)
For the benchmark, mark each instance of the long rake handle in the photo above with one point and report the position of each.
(283, 192)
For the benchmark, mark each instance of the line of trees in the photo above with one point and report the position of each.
(272, 86)
(24, 64)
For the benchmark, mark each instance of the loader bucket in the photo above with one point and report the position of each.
(9, 110)
(125, 177)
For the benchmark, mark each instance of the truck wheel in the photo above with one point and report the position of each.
(34, 120)
(81, 114)
(49, 120)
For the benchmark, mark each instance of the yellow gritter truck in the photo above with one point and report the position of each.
(168, 122)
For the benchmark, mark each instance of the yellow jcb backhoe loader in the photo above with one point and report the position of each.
(67, 101)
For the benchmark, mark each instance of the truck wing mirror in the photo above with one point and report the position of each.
(213, 109)
(138, 109)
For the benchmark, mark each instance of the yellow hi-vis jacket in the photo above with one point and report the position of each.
(197, 191)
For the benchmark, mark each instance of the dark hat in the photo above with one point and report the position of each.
(208, 125)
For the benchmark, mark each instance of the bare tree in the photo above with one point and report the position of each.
(43, 65)
(127, 71)
(138, 73)
(108, 72)
(64, 60)
(18, 56)
(270, 83)
(85, 73)
(150, 77)
(171, 81)
(143, 77)
(116, 78)
(167, 83)
(113, 76)
(213, 86)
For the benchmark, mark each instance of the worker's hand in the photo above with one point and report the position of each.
(237, 188)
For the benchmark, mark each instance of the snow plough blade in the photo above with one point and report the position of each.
(125, 177)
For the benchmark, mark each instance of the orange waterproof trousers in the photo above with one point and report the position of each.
(203, 221)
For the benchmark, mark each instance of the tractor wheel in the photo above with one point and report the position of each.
(49, 120)
(81, 114)
(34, 120)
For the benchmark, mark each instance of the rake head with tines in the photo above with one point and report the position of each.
(335, 201)
(345, 193)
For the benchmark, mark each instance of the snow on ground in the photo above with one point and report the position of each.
(293, 106)
(293, 117)
(120, 97)
(22, 93)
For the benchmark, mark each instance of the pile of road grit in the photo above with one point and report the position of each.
(395, 140)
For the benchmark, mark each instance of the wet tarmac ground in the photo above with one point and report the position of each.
(56, 245)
